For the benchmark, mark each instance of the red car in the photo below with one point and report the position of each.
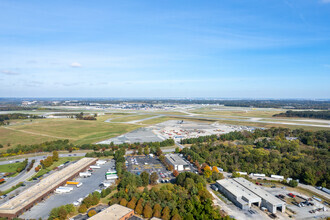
(291, 195)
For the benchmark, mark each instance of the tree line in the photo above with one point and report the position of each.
(65, 145)
(305, 114)
(4, 118)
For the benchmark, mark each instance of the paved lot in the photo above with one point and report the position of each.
(138, 164)
(139, 135)
(90, 184)
(302, 212)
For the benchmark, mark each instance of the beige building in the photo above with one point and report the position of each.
(36, 193)
(114, 212)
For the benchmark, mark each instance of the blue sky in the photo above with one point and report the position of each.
(186, 48)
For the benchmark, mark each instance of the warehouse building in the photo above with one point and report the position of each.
(36, 193)
(267, 200)
(238, 194)
(177, 162)
(114, 212)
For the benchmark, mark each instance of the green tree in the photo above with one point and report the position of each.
(146, 150)
(145, 178)
(147, 211)
(140, 151)
(82, 208)
(123, 202)
(153, 178)
(293, 183)
(166, 213)
(139, 208)
(62, 213)
(55, 156)
(157, 210)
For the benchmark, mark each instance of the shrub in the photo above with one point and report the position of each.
(91, 213)
(82, 208)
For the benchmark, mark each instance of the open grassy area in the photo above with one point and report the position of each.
(258, 113)
(9, 168)
(77, 131)
(55, 164)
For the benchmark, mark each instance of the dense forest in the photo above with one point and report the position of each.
(319, 139)
(7, 117)
(305, 114)
(270, 151)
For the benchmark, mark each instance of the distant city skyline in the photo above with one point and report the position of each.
(227, 49)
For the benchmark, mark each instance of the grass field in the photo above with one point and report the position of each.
(9, 168)
(84, 132)
(77, 131)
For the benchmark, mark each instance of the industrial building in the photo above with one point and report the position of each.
(238, 194)
(36, 193)
(114, 212)
(177, 162)
(244, 193)
(267, 200)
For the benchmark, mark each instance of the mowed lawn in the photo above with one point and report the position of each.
(77, 131)
(9, 168)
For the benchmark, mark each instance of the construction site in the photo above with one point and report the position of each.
(37, 193)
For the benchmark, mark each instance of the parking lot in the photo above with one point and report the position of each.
(138, 164)
(297, 203)
(89, 185)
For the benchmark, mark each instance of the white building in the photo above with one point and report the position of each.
(238, 194)
(267, 200)
(177, 162)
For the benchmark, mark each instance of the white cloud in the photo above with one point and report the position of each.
(325, 1)
(8, 72)
(75, 64)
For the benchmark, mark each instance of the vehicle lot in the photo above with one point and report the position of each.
(298, 204)
(90, 184)
(138, 164)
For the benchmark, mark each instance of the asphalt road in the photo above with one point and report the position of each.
(90, 184)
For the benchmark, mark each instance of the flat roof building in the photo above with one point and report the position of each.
(177, 162)
(238, 194)
(26, 199)
(268, 200)
(114, 212)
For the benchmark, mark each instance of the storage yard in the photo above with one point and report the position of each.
(36, 193)
(174, 129)
(96, 181)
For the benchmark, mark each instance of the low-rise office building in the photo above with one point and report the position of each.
(177, 162)
(238, 194)
(268, 200)
(114, 212)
